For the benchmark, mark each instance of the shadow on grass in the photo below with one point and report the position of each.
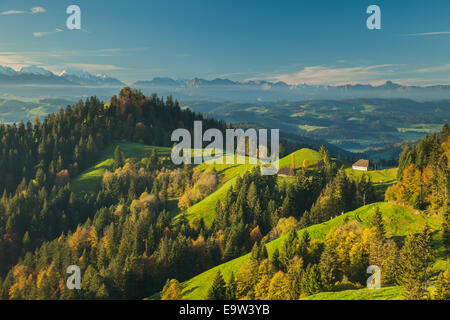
(185, 293)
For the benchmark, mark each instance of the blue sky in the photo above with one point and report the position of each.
(316, 42)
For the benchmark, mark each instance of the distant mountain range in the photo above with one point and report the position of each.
(267, 85)
(197, 82)
(222, 90)
(34, 75)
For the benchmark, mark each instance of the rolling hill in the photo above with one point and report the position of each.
(303, 154)
(381, 179)
(227, 176)
(90, 179)
(400, 221)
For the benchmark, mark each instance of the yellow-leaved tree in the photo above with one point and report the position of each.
(172, 291)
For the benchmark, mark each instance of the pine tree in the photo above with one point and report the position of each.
(306, 239)
(254, 254)
(218, 290)
(265, 273)
(446, 231)
(328, 268)
(443, 286)
(275, 261)
(412, 273)
(378, 223)
(246, 279)
(263, 254)
(119, 158)
(295, 275)
(132, 192)
(314, 279)
(154, 160)
(426, 253)
(324, 156)
(390, 256)
(231, 249)
(252, 195)
(404, 161)
(231, 288)
(290, 246)
(26, 242)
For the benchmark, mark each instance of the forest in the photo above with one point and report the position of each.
(132, 238)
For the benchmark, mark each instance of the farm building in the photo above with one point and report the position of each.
(361, 165)
(288, 172)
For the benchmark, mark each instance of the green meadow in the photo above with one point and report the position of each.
(90, 180)
(400, 221)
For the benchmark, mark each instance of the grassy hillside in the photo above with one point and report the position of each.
(90, 180)
(385, 293)
(399, 220)
(303, 154)
(227, 176)
(378, 177)
(206, 208)
(381, 179)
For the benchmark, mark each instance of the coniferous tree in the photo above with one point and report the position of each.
(443, 286)
(426, 253)
(313, 279)
(404, 161)
(295, 275)
(378, 223)
(119, 158)
(446, 231)
(230, 291)
(412, 273)
(275, 260)
(154, 160)
(328, 268)
(218, 290)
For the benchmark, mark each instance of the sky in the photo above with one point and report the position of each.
(314, 42)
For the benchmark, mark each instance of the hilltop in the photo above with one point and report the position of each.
(227, 174)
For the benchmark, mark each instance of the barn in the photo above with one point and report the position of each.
(361, 165)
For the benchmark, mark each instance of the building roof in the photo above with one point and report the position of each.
(286, 171)
(361, 163)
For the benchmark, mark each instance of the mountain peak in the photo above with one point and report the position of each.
(7, 70)
(391, 85)
(76, 72)
(35, 70)
(84, 77)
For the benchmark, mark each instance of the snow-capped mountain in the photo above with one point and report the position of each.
(39, 76)
(221, 89)
(36, 71)
(85, 78)
(7, 71)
